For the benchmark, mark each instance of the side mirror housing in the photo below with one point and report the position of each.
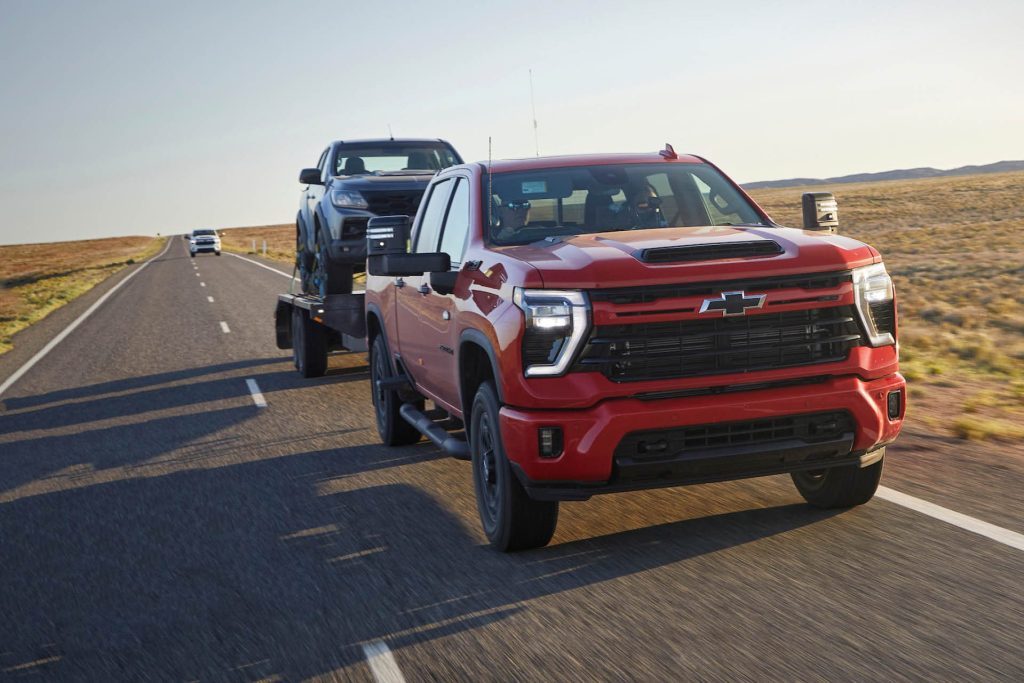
(444, 282)
(820, 211)
(398, 265)
(310, 176)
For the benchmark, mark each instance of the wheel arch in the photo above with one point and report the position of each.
(477, 363)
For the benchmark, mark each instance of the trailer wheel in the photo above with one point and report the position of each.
(393, 429)
(839, 487)
(309, 344)
(511, 519)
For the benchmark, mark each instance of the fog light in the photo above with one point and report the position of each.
(550, 441)
(895, 402)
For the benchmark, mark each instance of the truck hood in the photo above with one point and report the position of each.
(383, 183)
(665, 255)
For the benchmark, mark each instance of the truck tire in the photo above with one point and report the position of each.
(839, 487)
(329, 277)
(393, 429)
(309, 344)
(511, 519)
(192, 254)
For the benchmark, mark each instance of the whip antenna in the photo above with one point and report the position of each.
(533, 107)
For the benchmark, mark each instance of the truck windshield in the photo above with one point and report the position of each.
(530, 205)
(200, 233)
(390, 158)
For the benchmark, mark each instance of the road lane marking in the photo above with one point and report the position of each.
(77, 321)
(257, 395)
(210, 299)
(197, 274)
(972, 524)
(224, 327)
(262, 265)
(202, 284)
(382, 663)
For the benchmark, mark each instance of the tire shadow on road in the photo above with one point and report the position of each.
(202, 572)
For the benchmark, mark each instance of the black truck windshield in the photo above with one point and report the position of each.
(530, 205)
(358, 159)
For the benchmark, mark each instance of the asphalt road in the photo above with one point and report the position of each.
(155, 524)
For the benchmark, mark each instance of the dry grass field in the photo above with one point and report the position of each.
(280, 241)
(39, 278)
(953, 246)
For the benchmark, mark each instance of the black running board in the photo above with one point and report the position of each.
(449, 443)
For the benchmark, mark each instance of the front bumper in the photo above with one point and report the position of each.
(196, 248)
(589, 463)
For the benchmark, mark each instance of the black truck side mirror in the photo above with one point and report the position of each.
(387, 250)
(820, 211)
(310, 176)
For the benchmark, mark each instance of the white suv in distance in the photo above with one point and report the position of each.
(204, 240)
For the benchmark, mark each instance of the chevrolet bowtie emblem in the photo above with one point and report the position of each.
(733, 303)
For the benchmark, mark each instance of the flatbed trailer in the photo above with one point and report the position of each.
(313, 326)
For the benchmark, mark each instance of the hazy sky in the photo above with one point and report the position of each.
(142, 117)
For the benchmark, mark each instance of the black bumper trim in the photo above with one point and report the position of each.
(723, 464)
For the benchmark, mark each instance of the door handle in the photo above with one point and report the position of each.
(399, 282)
(424, 290)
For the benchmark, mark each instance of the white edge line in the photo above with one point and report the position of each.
(972, 524)
(257, 395)
(224, 327)
(382, 663)
(17, 374)
(261, 265)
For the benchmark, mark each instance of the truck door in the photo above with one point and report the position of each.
(424, 317)
(314, 194)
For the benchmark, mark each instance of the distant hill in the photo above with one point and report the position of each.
(902, 174)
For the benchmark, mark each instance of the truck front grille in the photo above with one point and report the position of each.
(402, 203)
(649, 293)
(702, 439)
(725, 345)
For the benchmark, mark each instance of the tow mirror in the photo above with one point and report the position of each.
(387, 247)
(444, 282)
(820, 211)
(310, 176)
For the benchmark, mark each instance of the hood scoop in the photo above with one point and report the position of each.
(708, 252)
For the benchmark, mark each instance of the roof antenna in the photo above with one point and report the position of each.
(490, 188)
(390, 134)
(533, 107)
(668, 152)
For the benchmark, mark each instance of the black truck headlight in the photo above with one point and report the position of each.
(556, 325)
(348, 199)
(876, 303)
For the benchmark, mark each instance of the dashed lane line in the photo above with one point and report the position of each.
(382, 663)
(210, 299)
(972, 524)
(77, 321)
(224, 327)
(202, 284)
(257, 395)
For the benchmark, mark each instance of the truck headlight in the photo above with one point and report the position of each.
(348, 199)
(556, 324)
(876, 303)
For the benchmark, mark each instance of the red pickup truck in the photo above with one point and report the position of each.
(604, 323)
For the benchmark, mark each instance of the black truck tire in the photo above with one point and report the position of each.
(392, 428)
(309, 344)
(839, 487)
(511, 519)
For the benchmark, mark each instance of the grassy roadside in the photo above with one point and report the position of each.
(37, 279)
(280, 241)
